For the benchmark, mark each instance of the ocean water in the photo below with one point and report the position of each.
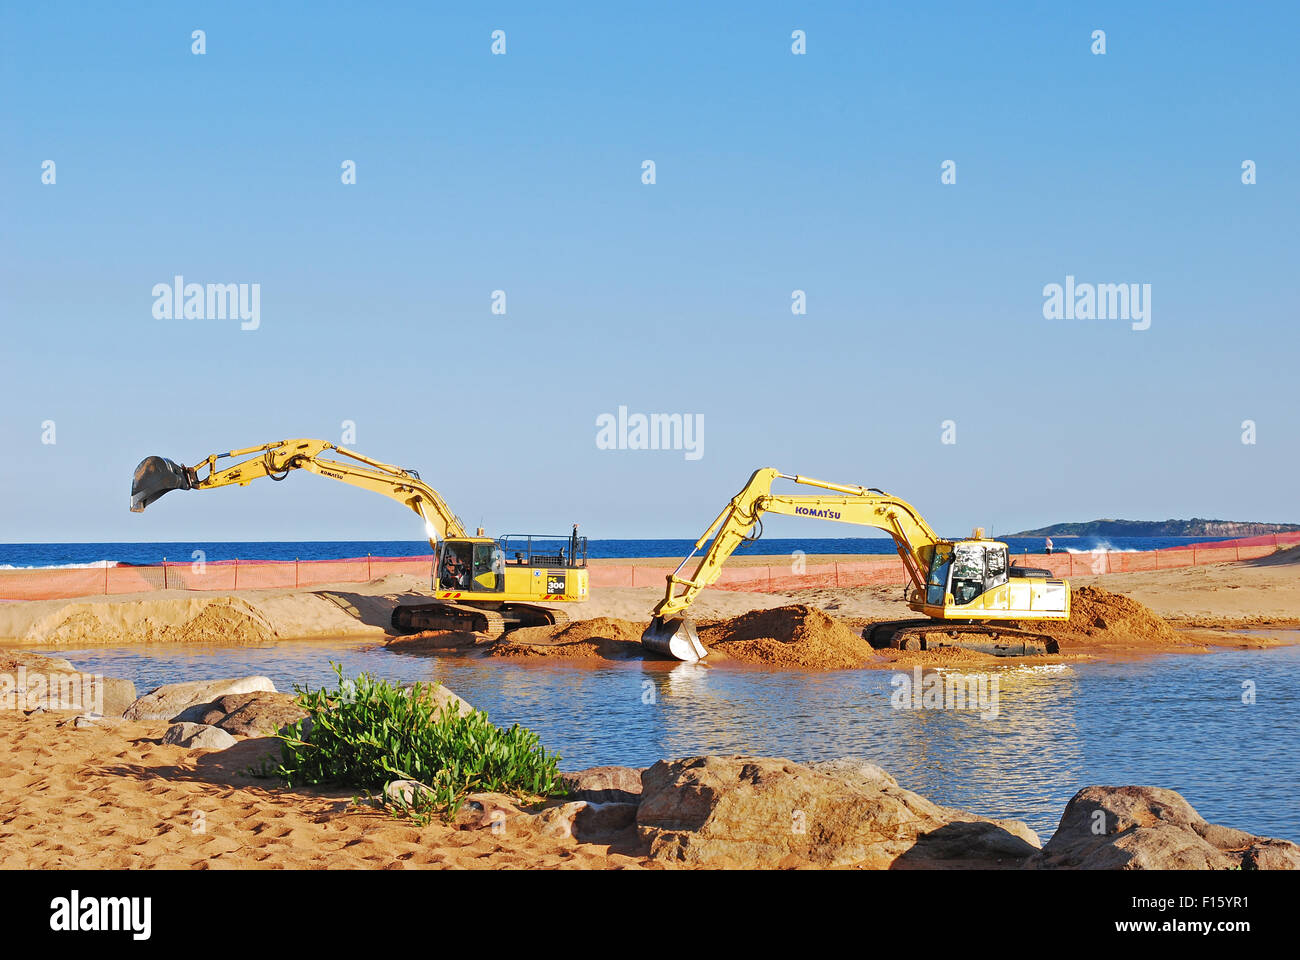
(20, 555)
(1168, 721)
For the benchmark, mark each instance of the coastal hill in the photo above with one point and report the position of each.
(1160, 528)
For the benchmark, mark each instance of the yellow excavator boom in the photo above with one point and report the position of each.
(476, 585)
(157, 475)
(917, 545)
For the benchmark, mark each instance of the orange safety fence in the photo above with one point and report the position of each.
(57, 583)
(62, 582)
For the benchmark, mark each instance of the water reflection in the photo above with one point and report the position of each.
(1176, 721)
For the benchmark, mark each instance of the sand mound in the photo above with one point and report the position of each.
(1099, 616)
(604, 638)
(1280, 558)
(793, 636)
(224, 621)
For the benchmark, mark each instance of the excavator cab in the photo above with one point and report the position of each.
(973, 579)
(476, 565)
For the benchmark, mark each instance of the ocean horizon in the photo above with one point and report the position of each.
(20, 556)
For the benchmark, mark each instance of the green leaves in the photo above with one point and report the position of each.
(368, 732)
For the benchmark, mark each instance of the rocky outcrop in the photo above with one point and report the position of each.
(253, 714)
(440, 696)
(1149, 828)
(31, 680)
(769, 812)
(605, 784)
(198, 736)
(188, 702)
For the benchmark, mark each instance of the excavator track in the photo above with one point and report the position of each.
(492, 622)
(982, 637)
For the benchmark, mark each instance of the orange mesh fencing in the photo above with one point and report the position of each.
(59, 583)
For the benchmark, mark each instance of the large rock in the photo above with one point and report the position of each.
(1149, 828)
(406, 793)
(769, 812)
(440, 696)
(198, 736)
(574, 819)
(587, 822)
(31, 680)
(605, 784)
(187, 702)
(254, 714)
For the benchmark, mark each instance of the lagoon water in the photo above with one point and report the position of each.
(1176, 721)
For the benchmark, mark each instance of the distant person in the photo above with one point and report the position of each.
(1049, 546)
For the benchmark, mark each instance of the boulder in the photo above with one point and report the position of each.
(440, 696)
(254, 714)
(31, 680)
(586, 822)
(404, 793)
(198, 736)
(605, 784)
(188, 702)
(1150, 828)
(739, 811)
(92, 721)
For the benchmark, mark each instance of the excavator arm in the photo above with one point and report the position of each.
(158, 475)
(669, 633)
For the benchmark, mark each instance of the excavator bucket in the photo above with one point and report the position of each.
(154, 477)
(674, 638)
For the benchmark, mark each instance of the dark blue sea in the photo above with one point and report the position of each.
(18, 555)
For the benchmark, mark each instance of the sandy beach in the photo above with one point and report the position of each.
(113, 797)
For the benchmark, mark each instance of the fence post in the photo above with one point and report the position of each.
(1156, 551)
(1193, 554)
(1238, 549)
(236, 586)
(295, 573)
(106, 577)
(837, 572)
(369, 576)
(164, 573)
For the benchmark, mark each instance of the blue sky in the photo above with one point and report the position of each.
(774, 172)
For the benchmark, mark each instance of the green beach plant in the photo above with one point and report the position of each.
(368, 732)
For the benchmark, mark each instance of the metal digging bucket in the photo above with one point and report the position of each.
(674, 638)
(156, 476)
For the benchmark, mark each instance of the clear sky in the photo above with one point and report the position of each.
(774, 172)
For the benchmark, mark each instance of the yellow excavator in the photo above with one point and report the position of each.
(479, 584)
(959, 585)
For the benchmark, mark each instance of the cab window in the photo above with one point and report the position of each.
(485, 571)
(967, 573)
(996, 561)
(937, 584)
